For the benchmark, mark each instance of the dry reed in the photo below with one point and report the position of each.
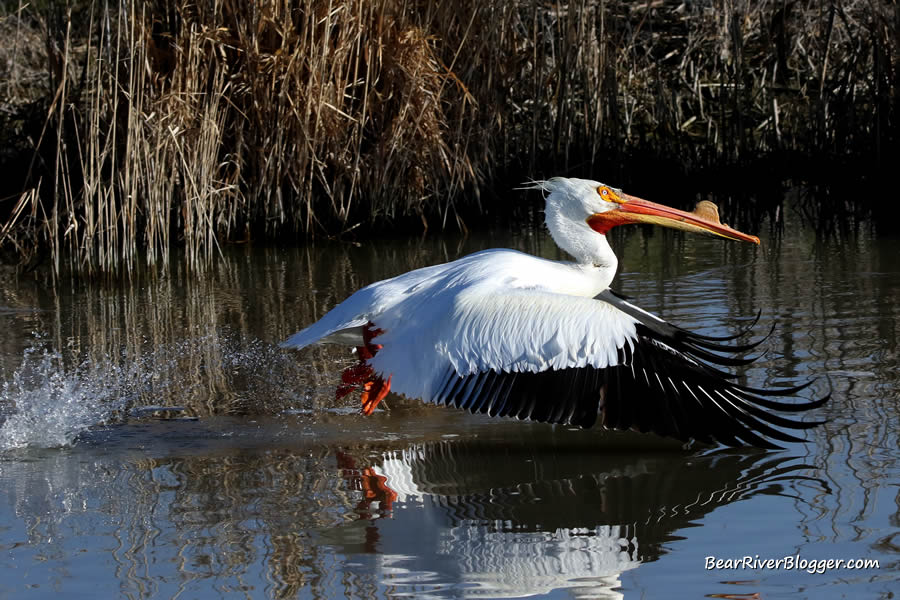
(131, 128)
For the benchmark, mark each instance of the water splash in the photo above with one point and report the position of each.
(51, 399)
(47, 405)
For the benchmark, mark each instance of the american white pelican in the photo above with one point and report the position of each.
(508, 334)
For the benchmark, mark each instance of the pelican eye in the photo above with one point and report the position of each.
(609, 195)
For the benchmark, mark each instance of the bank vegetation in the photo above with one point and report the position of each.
(132, 128)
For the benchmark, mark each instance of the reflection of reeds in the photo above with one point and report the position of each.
(172, 121)
(200, 338)
(168, 337)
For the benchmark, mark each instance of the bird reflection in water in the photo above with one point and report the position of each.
(506, 519)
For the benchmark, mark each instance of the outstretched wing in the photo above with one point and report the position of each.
(548, 357)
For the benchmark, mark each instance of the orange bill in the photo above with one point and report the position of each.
(704, 218)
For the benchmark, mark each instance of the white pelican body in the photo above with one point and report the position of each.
(509, 334)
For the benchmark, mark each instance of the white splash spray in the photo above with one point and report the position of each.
(49, 400)
(48, 404)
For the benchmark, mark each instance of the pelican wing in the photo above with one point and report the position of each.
(344, 323)
(537, 355)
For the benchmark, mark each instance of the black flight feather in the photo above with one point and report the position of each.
(663, 382)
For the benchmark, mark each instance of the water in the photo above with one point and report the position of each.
(155, 443)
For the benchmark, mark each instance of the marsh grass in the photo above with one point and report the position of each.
(132, 127)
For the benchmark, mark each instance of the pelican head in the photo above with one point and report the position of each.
(579, 209)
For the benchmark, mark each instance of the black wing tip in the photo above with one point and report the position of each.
(744, 422)
(787, 391)
(699, 337)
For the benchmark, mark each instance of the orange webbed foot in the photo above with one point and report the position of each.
(374, 387)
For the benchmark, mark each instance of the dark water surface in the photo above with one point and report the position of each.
(256, 483)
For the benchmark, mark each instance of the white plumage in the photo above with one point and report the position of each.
(507, 333)
(490, 310)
